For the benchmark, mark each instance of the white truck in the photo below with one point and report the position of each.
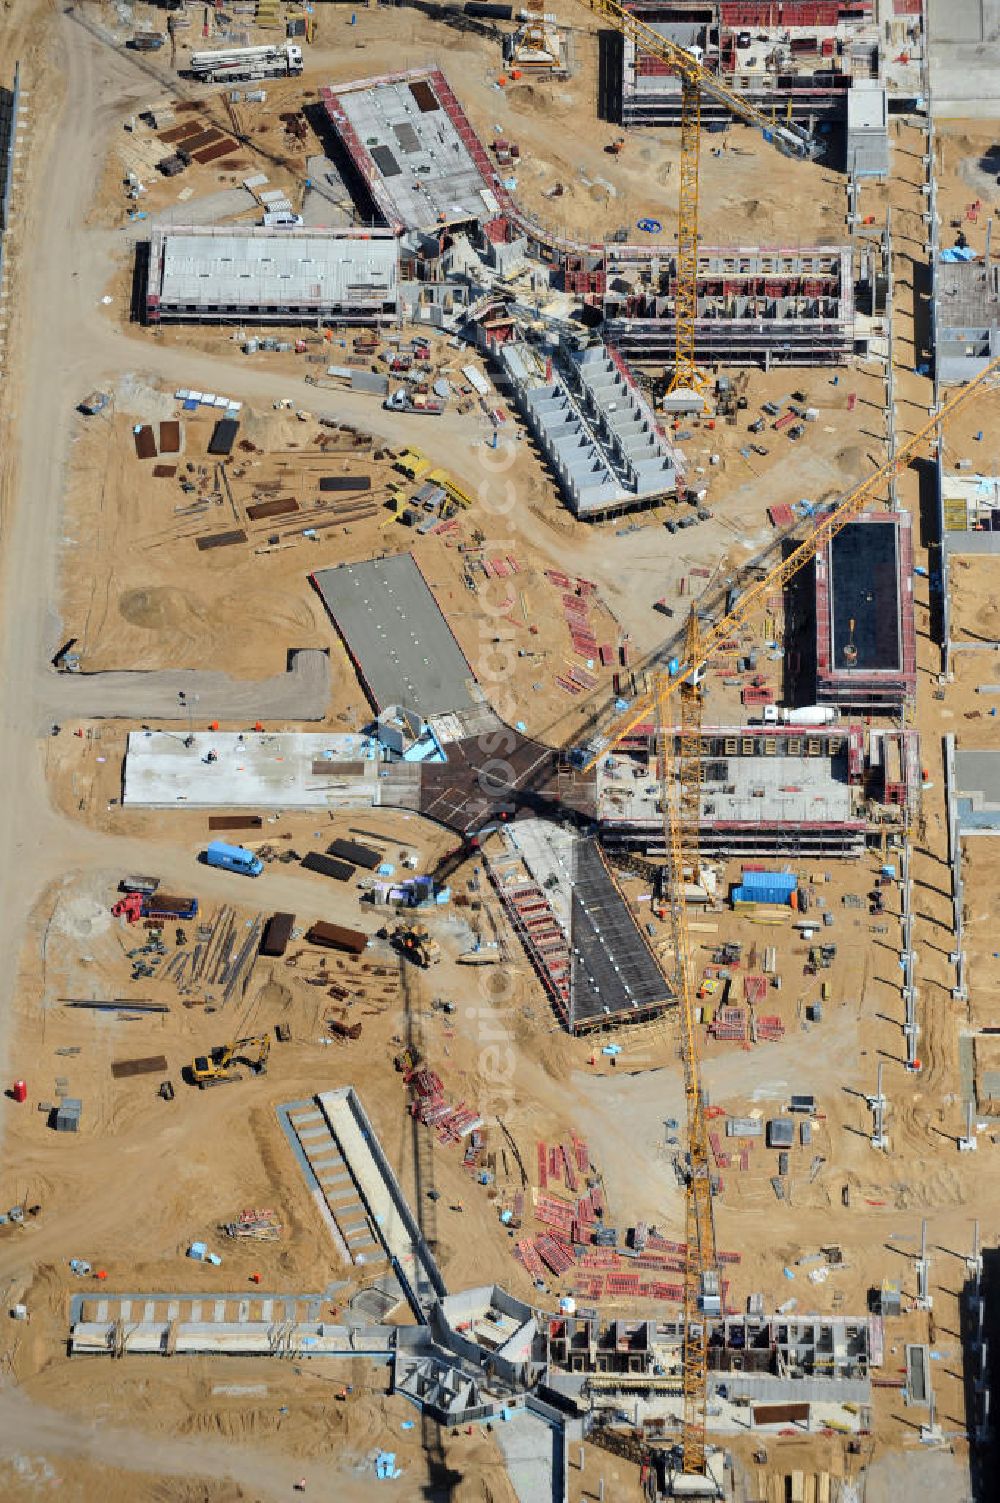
(240, 64)
(804, 715)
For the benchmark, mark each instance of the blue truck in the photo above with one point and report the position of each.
(234, 858)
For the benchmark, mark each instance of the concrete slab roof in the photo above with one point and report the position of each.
(405, 142)
(867, 106)
(965, 57)
(755, 790)
(614, 974)
(251, 267)
(265, 770)
(967, 294)
(977, 789)
(400, 642)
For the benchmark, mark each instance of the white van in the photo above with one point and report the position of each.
(282, 219)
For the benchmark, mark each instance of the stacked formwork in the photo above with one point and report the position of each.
(586, 275)
(533, 920)
(755, 307)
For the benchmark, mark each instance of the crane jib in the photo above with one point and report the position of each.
(793, 140)
(805, 549)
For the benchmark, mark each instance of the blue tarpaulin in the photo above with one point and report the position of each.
(385, 1466)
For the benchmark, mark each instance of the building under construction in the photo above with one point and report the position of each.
(965, 310)
(249, 274)
(576, 927)
(595, 427)
(410, 153)
(841, 1349)
(866, 650)
(771, 790)
(756, 306)
(797, 57)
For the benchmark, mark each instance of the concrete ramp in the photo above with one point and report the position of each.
(390, 1213)
(331, 1184)
(535, 1454)
(918, 1375)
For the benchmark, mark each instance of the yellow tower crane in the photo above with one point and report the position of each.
(789, 138)
(680, 803)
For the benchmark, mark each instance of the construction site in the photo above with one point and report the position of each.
(498, 641)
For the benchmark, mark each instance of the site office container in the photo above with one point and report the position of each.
(785, 882)
(233, 858)
(767, 887)
(777, 896)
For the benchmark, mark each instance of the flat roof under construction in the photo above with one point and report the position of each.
(576, 927)
(414, 148)
(864, 577)
(865, 631)
(614, 973)
(795, 790)
(247, 269)
(252, 770)
(398, 639)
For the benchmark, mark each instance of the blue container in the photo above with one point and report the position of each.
(784, 882)
(777, 895)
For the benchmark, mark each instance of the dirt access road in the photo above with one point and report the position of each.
(68, 346)
(28, 1430)
(303, 693)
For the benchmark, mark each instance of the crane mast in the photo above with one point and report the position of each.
(679, 776)
(680, 802)
(695, 79)
(753, 599)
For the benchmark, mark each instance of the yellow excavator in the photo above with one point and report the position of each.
(416, 944)
(217, 1068)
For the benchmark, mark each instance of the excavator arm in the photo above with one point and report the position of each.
(215, 1068)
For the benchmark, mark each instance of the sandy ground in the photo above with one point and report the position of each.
(224, 1148)
(749, 194)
